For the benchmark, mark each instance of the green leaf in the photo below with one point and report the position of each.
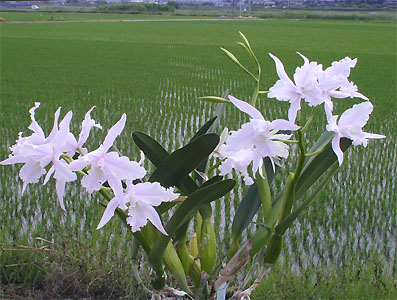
(250, 204)
(185, 212)
(150, 147)
(204, 128)
(215, 99)
(156, 154)
(220, 107)
(175, 167)
(231, 56)
(287, 222)
(312, 172)
(235, 60)
(245, 40)
(319, 164)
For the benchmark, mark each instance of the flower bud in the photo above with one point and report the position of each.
(174, 265)
(193, 246)
(207, 246)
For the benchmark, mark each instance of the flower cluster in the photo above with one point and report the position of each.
(260, 138)
(37, 152)
(317, 86)
(256, 139)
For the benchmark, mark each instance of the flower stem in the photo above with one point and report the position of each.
(310, 119)
(317, 152)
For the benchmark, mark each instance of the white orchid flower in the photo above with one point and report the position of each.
(72, 144)
(106, 166)
(140, 200)
(36, 152)
(350, 126)
(240, 160)
(254, 141)
(305, 86)
(334, 82)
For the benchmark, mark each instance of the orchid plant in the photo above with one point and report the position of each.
(184, 183)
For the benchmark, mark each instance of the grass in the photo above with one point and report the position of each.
(155, 71)
(367, 281)
(70, 16)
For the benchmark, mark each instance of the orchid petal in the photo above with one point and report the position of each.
(358, 115)
(116, 184)
(109, 212)
(280, 69)
(122, 167)
(60, 188)
(359, 95)
(93, 180)
(305, 59)
(281, 124)
(153, 193)
(62, 136)
(34, 126)
(48, 175)
(54, 130)
(17, 159)
(114, 132)
(337, 150)
(293, 109)
(86, 127)
(247, 108)
(31, 173)
(140, 213)
(373, 135)
(283, 91)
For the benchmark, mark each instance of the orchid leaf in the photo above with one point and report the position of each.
(313, 170)
(287, 222)
(204, 129)
(319, 164)
(156, 154)
(185, 212)
(250, 204)
(150, 147)
(179, 164)
(205, 208)
(215, 99)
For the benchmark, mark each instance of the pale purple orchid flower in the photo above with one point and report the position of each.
(37, 151)
(140, 199)
(73, 145)
(334, 82)
(108, 166)
(350, 126)
(255, 140)
(305, 86)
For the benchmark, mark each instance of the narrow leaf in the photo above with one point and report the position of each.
(204, 129)
(156, 154)
(231, 56)
(175, 167)
(150, 147)
(318, 165)
(245, 40)
(250, 204)
(215, 99)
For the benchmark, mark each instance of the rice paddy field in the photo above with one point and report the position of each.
(343, 247)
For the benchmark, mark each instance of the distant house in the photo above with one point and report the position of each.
(329, 3)
(391, 4)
